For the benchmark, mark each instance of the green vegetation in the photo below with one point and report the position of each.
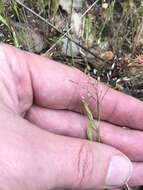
(92, 124)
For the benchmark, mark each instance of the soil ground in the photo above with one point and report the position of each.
(114, 40)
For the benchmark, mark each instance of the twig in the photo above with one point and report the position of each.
(66, 33)
(36, 14)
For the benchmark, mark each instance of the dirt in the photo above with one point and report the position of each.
(121, 37)
(114, 55)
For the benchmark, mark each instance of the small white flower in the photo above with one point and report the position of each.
(105, 5)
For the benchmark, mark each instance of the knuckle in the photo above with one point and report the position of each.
(3, 52)
(6, 51)
(84, 164)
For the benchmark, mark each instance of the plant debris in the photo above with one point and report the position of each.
(104, 40)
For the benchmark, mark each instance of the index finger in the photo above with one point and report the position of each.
(58, 86)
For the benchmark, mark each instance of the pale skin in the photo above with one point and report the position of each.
(40, 110)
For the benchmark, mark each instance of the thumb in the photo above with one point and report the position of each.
(32, 158)
(89, 165)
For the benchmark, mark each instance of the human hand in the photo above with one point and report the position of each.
(40, 104)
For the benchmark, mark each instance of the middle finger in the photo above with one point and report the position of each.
(72, 124)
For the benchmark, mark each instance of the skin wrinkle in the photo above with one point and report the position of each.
(22, 84)
(7, 84)
(18, 83)
(30, 69)
(32, 87)
(7, 100)
(14, 92)
(8, 87)
(85, 165)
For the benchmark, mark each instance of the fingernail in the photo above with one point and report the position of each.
(119, 171)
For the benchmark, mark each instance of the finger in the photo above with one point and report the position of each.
(71, 119)
(137, 175)
(136, 179)
(73, 124)
(31, 158)
(57, 86)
